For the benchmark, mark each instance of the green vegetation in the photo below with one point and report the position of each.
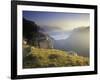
(39, 58)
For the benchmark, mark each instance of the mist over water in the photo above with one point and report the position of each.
(78, 41)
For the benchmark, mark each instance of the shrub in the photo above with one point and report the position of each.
(53, 56)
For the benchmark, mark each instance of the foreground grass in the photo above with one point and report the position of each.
(38, 58)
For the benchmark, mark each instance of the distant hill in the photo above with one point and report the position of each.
(78, 41)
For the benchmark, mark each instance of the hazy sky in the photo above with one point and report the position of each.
(64, 21)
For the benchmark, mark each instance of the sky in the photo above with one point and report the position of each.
(60, 20)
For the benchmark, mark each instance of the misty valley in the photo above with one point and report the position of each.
(50, 46)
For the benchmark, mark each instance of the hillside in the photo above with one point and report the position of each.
(39, 58)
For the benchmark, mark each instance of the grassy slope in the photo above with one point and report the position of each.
(37, 58)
